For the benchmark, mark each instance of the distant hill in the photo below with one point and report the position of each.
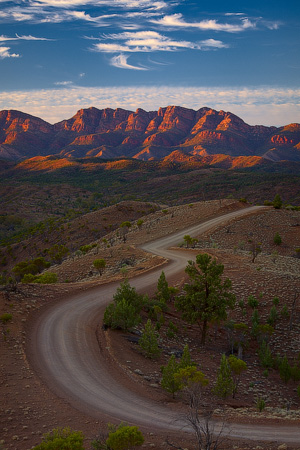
(172, 134)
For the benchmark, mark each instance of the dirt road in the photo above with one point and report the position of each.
(66, 351)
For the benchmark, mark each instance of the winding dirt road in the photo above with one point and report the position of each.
(66, 352)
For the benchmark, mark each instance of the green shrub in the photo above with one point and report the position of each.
(61, 439)
(253, 302)
(124, 437)
(265, 356)
(260, 404)
(285, 370)
(6, 317)
(277, 239)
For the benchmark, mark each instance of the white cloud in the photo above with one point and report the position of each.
(63, 83)
(150, 41)
(265, 105)
(5, 53)
(177, 21)
(120, 61)
(128, 4)
(22, 38)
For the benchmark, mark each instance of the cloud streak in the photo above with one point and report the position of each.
(23, 38)
(264, 105)
(177, 21)
(150, 41)
(120, 61)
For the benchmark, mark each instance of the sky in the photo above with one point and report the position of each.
(58, 56)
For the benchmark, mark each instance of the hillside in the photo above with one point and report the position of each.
(33, 406)
(147, 136)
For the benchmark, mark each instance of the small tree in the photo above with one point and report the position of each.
(149, 341)
(207, 297)
(186, 360)
(277, 202)
(237, 366)
(163, 293)
(255, 249)
(285, 371)
(129, 293)
(189, 376)
(99, 265)
(277, 239)
(61, 439)
(224, 385)
(253, 302)
(168, 382)
(273, 316)
(121, 315)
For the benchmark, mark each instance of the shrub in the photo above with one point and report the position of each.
(253, 302)
(273, 316)
(277, 202)
(61, 439)
(124, 437)
(224, 385)
(6, 317)
(285, 370)
(260, 404)
(277, 239)
(265, 356)
(285, 312)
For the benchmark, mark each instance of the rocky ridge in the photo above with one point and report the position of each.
(143, 135)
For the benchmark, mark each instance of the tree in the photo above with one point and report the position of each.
(99, 265)
(265, 355)
(237, 366)
(121, 315)
(186, 360)
(61, 439)
(285, 370)
(164, 291)
(168, 382)
(125, 310)
(189, 376)
(255, 249)
(277, 239)
(206, 297)
(224, 385)
(129, 293)
(253, 302)
(149, 341)
(277, 202)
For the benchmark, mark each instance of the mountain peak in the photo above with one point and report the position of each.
(118, 133)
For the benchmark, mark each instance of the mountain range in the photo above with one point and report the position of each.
(172, 133)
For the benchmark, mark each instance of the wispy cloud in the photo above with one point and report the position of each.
(22, 38)
(128, 4)
(150, 41)
(63, 83)
(264, 105)
(5, 53)
(177, 21)
(120, 61)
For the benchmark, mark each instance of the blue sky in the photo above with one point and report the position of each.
(57, 56)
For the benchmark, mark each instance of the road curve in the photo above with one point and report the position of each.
(66, 352)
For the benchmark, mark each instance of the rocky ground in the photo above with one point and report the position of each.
(29, 408)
